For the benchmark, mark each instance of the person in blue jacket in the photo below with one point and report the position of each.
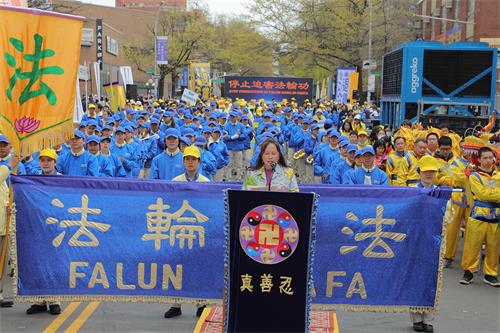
(247, 149)
(105, 164)
(78, 161)
(169, 163)
(116, 164)
(234, 142)
(337, 171)
(135, 150)
(326, 156)
(123, 151)
(368, 174)
(219, 149)
(208, 161)
(6, 156)
(32, 164)
(149, 145)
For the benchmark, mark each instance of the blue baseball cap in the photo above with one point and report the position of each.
(333, 133)
(343, 143)
(129, 128)
(217, 129)
(314, 127)
(92, 122)
(172, 132)
(307, 121)
(188, 132)
(110, 120)
(120, 129)
(186, 140)
(368, 150)
(145, 125)
(83, 123)
(359, 152)
(206, 129)
(200, 140)
(155, 121)
(233, 114)
(106, 138)
(93, 138)
(79, 134)
(3, 138)
(352, 147)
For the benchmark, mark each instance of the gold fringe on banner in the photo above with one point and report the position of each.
(196, 301)
(53, 136)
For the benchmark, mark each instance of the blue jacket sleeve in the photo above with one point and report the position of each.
(93, 166)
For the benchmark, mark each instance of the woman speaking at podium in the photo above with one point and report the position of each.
(271, 172)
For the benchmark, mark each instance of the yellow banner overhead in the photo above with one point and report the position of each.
(39, 56)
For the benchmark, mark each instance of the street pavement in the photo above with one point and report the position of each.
(474, 309)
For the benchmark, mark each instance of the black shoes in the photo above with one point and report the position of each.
(467, 278)
(54, 309)
(421, 327)
(173, 312)
(418, 327)
(491, 280)
(428, 328)
(35, 308)
(6, 304)
(199, 311)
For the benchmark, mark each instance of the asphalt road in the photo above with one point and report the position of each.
(474, 308)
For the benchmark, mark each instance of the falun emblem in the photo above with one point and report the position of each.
(269, 234)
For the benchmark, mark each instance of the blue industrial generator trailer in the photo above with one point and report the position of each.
(439, 85)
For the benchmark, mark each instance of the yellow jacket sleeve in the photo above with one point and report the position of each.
(482, 192)
(402, 173)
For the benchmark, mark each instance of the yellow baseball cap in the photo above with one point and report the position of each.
(362, 132)
(91, 106)
(191, 151)
(428, 163)
(51, 153)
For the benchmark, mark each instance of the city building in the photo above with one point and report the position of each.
(461, 20)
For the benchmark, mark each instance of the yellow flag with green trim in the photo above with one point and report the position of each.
(39, 56)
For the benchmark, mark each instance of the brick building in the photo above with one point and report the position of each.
(461, 20)
(151, 4)
(121, 26)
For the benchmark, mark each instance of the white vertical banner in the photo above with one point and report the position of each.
(342, 91)
(97, 73)
(126, 75)
(78, 110)
(371, 83)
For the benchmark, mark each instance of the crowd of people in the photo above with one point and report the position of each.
(278, 146)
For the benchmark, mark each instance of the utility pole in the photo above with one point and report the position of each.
(368, 96)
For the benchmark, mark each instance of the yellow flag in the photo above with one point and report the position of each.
(116, 96)
(199, 79)
(39, 56)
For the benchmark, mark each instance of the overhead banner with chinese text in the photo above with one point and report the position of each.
(377, 248)
(343, 77)
(268, 88)
(39, 55)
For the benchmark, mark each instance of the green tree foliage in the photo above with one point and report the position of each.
(315, 37)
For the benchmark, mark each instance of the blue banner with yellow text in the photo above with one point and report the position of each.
(79, 238)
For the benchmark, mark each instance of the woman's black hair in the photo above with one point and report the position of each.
(378, 143)
(260, 163)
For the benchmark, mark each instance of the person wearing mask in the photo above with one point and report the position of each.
(271, 171)
(78, 161)
(362, 139)
(380, 154)
(208, 162)
(483, 224)
(168, 164)
(368, 173)
(407, 174)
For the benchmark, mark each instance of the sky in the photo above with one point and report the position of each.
(227, 7)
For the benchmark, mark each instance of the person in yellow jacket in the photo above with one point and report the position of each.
(394, 160)
(192, 161)
(407, 174)
(357, 124)
(451, 173)
(482, 226)
(4, 201)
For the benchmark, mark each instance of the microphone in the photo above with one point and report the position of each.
(273, 166)
(273, 169)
